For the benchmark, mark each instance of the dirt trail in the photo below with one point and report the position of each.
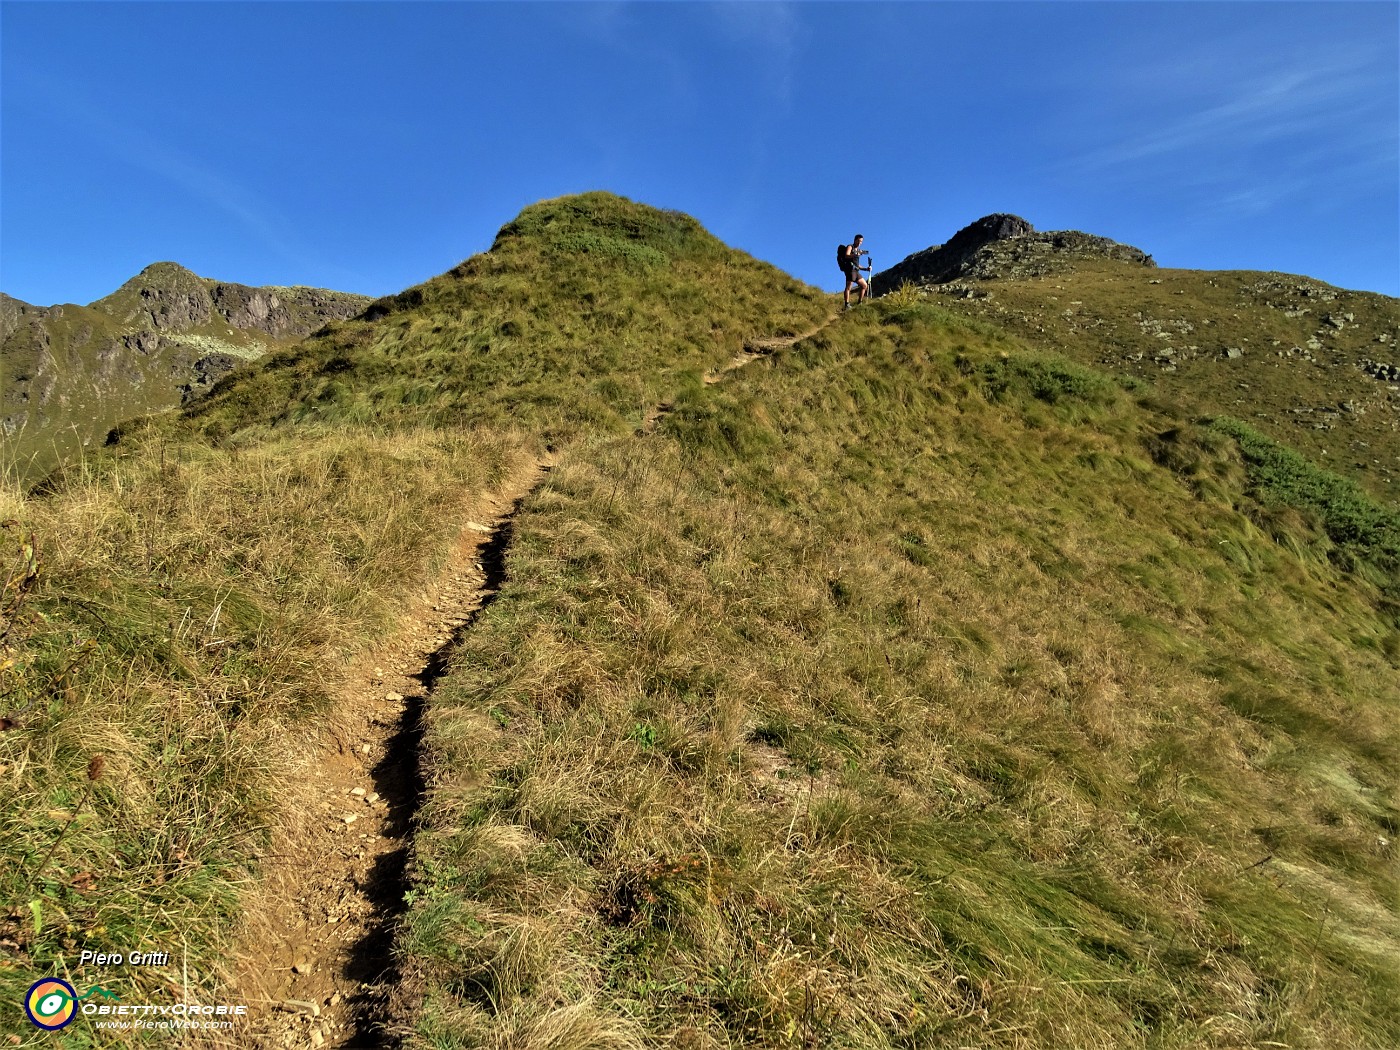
(316, 963)
(753, 350)
(315, 960)
(762, 348)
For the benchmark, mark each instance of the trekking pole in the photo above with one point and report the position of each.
(870, 284)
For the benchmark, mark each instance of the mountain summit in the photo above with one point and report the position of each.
(166, 335)
(1002, 245)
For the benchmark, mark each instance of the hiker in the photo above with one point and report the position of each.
(848, 257)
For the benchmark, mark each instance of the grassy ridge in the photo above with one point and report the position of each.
(1298, 344)
(585, 312)
(195, 585)
(893, 696)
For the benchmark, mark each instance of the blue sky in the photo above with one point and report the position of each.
(367, 147)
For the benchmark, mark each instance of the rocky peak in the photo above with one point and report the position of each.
(989, 228)
(162, 297)
(163, 272)
(1005, 246)
(166, 298)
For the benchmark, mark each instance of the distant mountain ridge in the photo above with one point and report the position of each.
(72, 372)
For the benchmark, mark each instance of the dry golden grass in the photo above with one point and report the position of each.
(875, 701)
(190, 605)
(904, 689)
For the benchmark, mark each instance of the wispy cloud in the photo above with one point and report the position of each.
(773, 29)
(1277, 108)
(1240, 131)
(141, 148)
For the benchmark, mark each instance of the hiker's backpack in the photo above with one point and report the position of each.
(841, 261)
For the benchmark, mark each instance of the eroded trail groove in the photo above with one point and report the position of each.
(316, 963)
(756, 348)
(752, 351)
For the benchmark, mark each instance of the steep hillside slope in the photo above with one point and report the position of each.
(72, 372)
(904, 687)
(176, 611)
(915, 690)
(586, 312)
(1313, 366)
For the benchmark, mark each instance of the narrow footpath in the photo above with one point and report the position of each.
(753, 350)
(316, 963)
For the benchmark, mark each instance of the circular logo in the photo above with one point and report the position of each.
(51, 1003)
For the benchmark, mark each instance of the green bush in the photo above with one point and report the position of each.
(1360, 526)
(1047, 379)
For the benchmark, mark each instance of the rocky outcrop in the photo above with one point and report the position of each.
(245, 307)
(165, 336)
(143, 342)
(208, 370)
(165, 297)
(1002, 246)
(282, 312)
(14, 313)
(1386, 373)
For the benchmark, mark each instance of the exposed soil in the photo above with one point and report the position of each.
(315, 960)
(757, 348)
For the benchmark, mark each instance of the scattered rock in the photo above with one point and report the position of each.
(301, 967)
(301, 1006)
(1386, 373)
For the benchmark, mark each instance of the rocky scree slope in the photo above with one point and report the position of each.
(164, 337)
